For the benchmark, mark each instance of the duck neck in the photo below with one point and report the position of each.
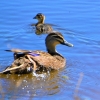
(51, 50)
(40, 22)
(53, 53)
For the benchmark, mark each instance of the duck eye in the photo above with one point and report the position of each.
(39, 16)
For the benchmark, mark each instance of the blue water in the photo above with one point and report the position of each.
(79, 22)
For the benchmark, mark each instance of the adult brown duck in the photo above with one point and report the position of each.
(27, 61)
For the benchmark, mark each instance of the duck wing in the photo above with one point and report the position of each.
(43, 28)
(34, 59)
(48, 61)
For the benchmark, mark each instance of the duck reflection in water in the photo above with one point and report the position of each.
(18, 86)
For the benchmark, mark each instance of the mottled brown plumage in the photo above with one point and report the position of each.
(27, 61)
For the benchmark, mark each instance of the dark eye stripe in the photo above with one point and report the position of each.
(57, 34)
(39, 14)
(60, 40)
(58, 37)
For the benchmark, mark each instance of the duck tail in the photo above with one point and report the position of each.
(19, 51)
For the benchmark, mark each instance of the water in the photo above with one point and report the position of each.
(79, 22)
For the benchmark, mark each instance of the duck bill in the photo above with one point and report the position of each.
(68, 44)
(34, 17)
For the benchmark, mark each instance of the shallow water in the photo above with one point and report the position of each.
(79, 22)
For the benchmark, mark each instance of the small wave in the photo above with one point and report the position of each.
(42, 75)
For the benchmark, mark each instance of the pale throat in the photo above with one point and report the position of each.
(41, 21)
(51, 47)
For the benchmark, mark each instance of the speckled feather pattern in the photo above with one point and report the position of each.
(47, 60)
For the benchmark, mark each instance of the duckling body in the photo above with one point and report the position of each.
(30, 61)
(41, 26)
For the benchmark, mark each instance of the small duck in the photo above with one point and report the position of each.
(40, 26)
(27, 61)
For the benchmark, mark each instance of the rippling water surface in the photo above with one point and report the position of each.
(79, 22)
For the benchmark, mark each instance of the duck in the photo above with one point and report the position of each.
(41, 27)
(28, 61)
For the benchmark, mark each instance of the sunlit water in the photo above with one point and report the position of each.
(79, 22)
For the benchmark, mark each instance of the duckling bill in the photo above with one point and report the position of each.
(27, 61)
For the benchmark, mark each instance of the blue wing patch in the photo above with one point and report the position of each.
(34, 54)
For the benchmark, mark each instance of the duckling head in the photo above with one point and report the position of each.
(40, 17)
(54, 39)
